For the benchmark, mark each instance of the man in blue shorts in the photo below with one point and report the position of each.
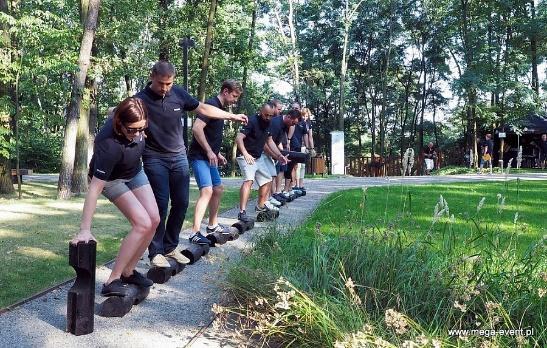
(205, 157)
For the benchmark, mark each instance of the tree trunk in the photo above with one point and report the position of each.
(79, 176)
(73, 110)
(295, 54)
(6, 121)
(162, 25)
(533, 50)
(242, 100)
(207, 51)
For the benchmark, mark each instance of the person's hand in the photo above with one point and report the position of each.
(249, 159)
(83, 236)
(221, 160)
(213, 161)
(313, 153)
(283, 159)
(240, 118)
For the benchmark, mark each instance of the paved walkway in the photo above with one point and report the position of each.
(178, 313)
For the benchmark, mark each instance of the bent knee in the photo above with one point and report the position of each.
(218, 190)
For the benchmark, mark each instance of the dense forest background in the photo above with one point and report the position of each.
(392, 74)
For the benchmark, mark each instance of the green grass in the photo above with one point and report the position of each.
(35, 231)
(458, 170)
(364, 253)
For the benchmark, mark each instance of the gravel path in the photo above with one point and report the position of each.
(177, 313)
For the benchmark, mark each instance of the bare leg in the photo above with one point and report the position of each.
(263, 193)
(139, 206)
(201, 206)
(244, 193)
(214, 203)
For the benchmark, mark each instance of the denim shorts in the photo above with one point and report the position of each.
(206, 175)
(115, 188)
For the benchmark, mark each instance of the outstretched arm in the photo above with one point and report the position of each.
(214, 112)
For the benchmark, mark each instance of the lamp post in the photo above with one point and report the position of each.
(185, 44)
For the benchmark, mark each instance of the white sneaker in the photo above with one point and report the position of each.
(177, 255)
(271, 206)
(275, 202)
(159, 261)
(286, 194)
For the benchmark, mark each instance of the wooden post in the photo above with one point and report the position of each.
(81, 297)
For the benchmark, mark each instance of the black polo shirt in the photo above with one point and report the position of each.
(300, 129)
(114, 156)
(278, 130)
(213, 133)
(165, 123)
(256, 133)
(489, 144)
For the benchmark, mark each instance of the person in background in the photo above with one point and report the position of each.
(543, 151)
(309, 149)
(430, 156)
(487, 151)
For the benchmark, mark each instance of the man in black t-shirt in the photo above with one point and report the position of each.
(250, 144)
(295, 139)
(164, 157)
(205, 157)
(487, 151)
(278, 130)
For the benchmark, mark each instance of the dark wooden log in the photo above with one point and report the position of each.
(81, 296)
(118, 306)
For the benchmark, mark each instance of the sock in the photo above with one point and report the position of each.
(212, 226)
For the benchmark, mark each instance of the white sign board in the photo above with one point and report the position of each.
(337, 153)
(501, 135)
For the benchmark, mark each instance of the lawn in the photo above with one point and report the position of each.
(391, 266)
(35, 231)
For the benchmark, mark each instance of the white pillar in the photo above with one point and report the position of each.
(337, 152)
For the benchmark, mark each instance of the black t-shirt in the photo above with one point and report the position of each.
(430, 152)
(256, 133)
(114, 156)
(213, 133)
(165, 128)
(300, 129)
(489, 144)
(278, 130)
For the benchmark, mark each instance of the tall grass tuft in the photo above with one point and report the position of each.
(342, 281)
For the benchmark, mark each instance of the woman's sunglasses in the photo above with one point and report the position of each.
(132, 130)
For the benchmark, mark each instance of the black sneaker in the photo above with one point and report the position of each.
(264, 209)
(280, 197)
(137, 279)
(219, 229)
(115, 288)
(242, 216)
(199, 239)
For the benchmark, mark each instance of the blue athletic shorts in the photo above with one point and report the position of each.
(206, 176)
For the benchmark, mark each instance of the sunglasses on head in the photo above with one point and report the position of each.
(132, 130)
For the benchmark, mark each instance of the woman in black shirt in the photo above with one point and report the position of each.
(116, 172)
